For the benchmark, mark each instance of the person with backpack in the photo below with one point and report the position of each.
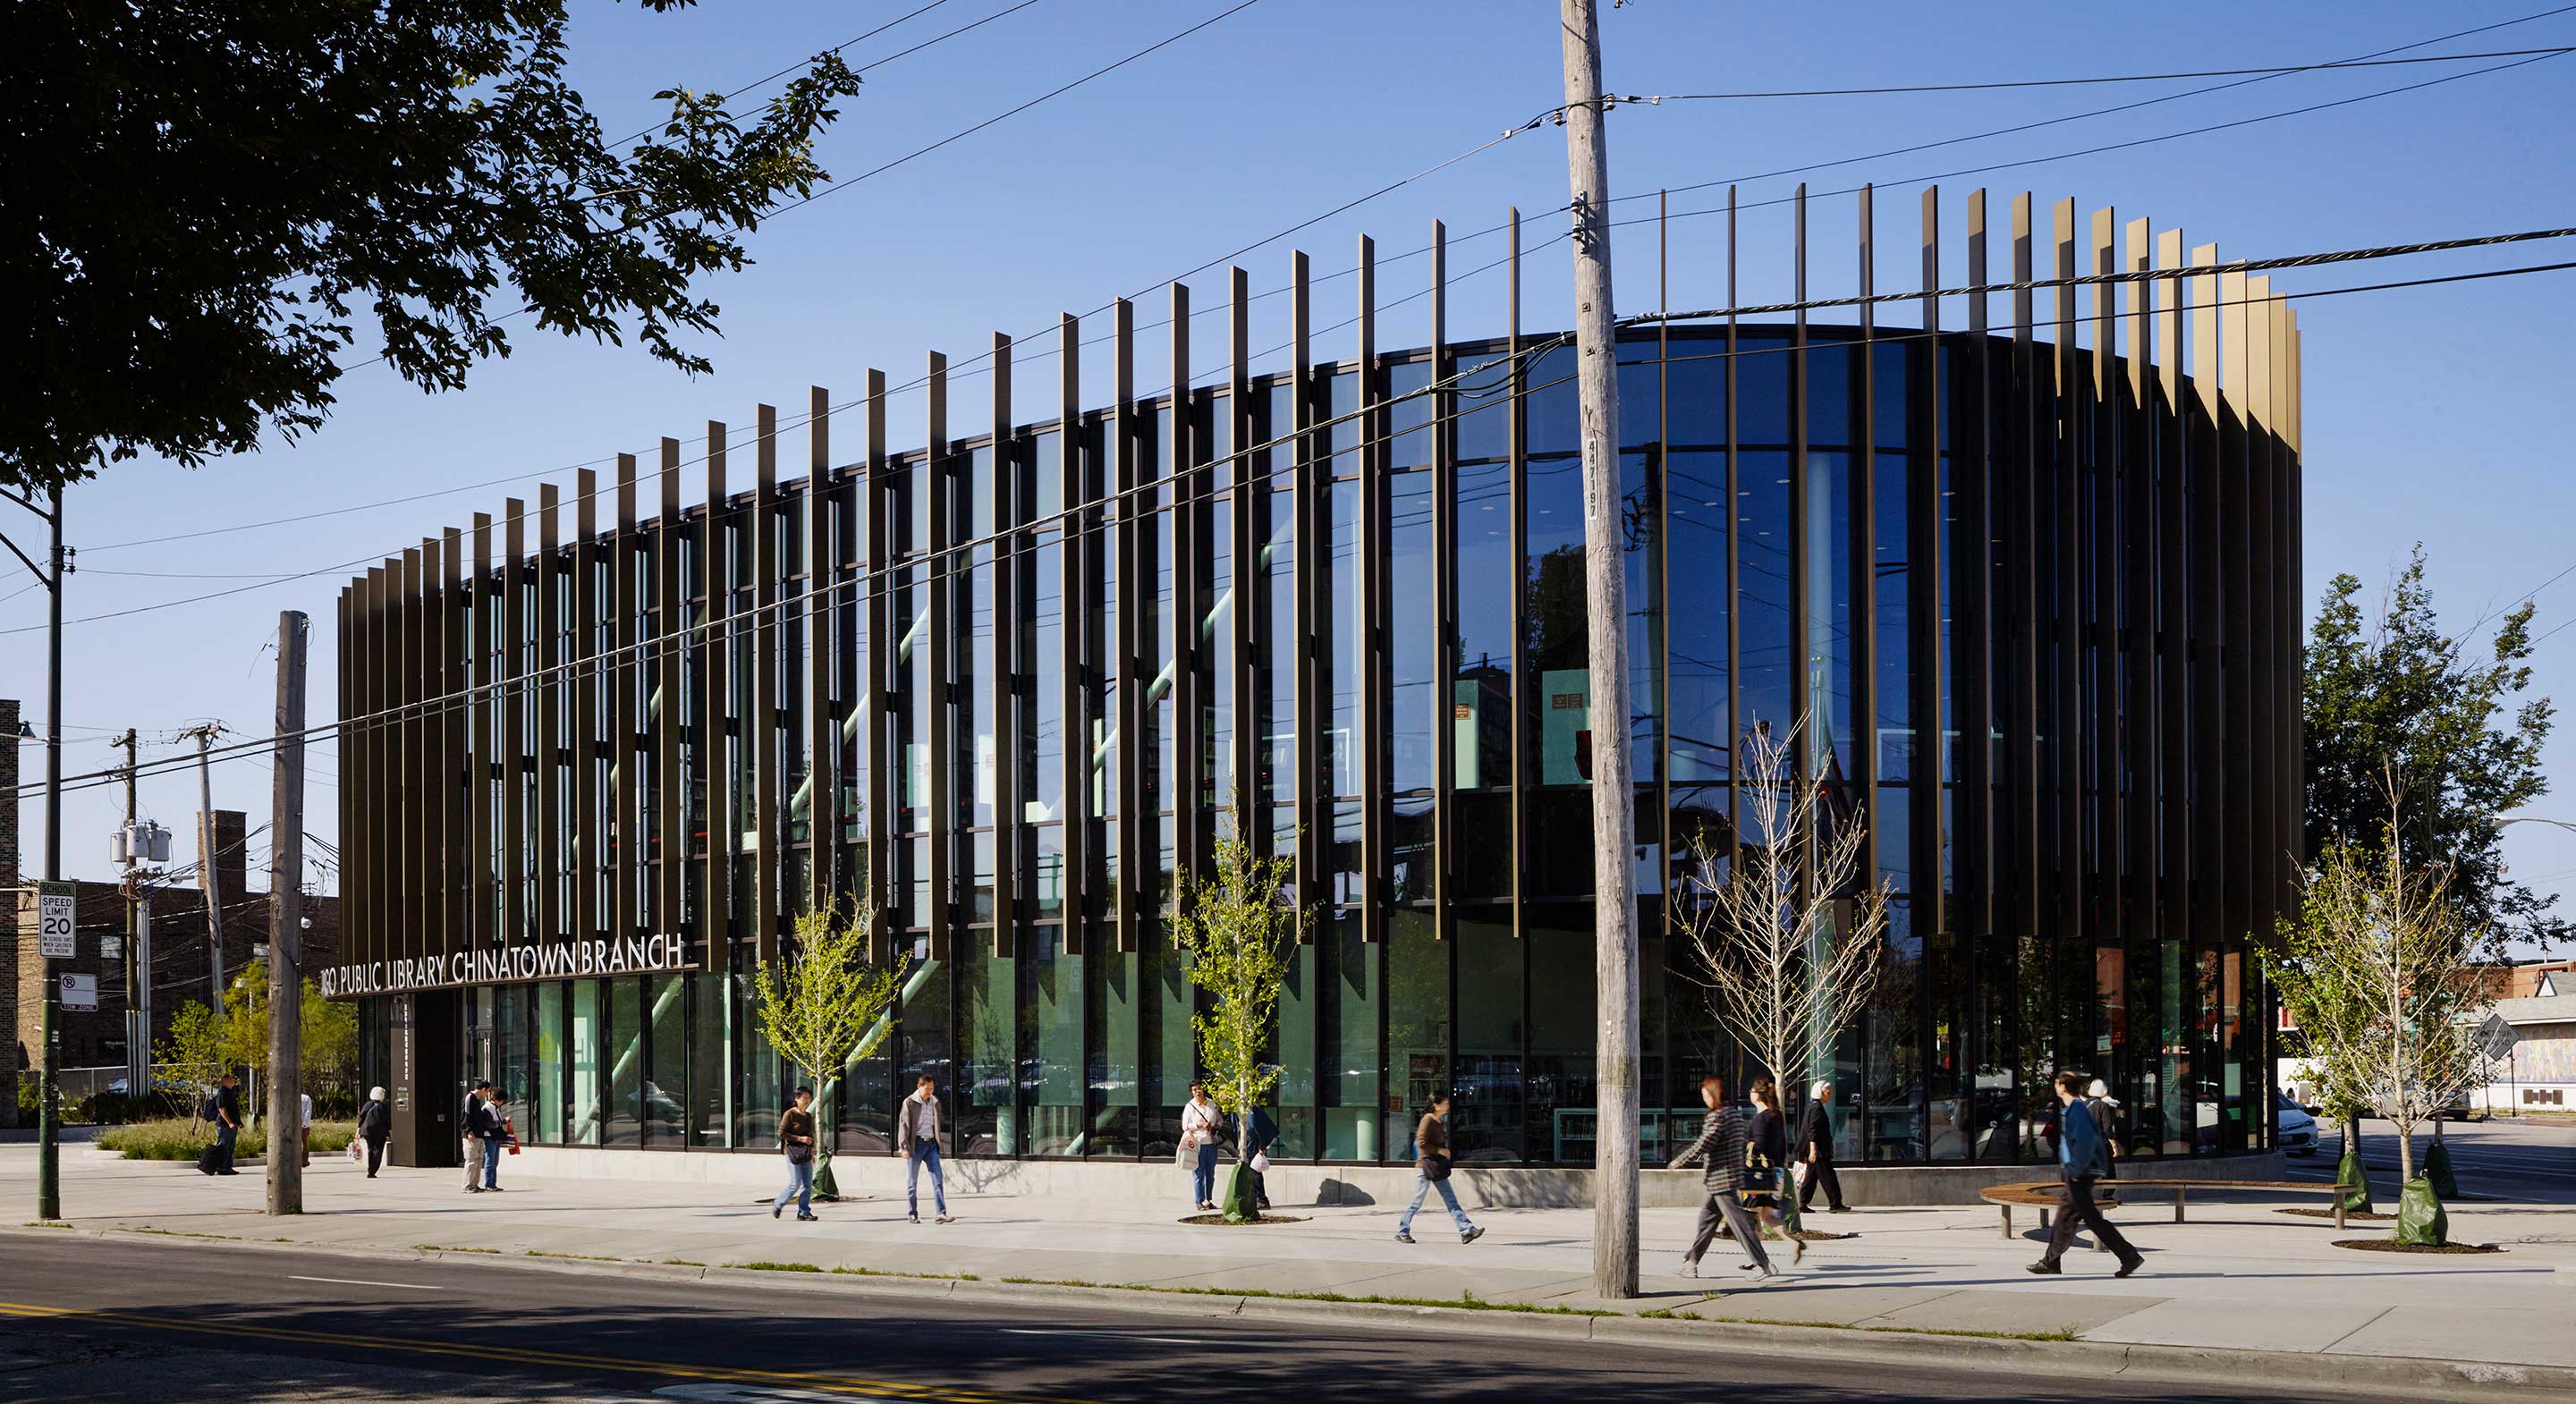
(224, 1110)
(375, 1127)
(2083, 1157)
(1431, 1171)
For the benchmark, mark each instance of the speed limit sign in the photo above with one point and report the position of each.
(54, 920)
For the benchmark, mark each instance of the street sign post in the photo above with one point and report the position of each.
(54, 920)
(80, 993)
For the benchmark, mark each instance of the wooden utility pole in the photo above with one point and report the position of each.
(206, 880)
(1614, 853)
(286, 929)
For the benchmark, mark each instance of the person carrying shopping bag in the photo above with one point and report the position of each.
(1198, 1147)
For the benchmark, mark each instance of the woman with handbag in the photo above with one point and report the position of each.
(1198, 1146)
(1431, 1171)
(796, 1142)
(1766, 1159)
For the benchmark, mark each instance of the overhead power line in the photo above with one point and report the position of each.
(1104, 70)
(772, 77)
(2275, 70)
(1020, 538)
(2385, 251)
(965, 367)
(2102, 112)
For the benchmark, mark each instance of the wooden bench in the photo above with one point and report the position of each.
(2048, 1196)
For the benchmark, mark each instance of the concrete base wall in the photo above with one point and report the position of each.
(1130, 1181)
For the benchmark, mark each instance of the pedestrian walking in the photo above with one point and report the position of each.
(1766, 1164)
(2083, 1155)
(1816, 1150)
(796, 1142)
(304, 1131)
(2106, 1119)
(1431, 1171)
(1720, 1148)
(375, 1127)
(469, 1124)
(1198, 1146)
(917, 1131)
(224, 1110)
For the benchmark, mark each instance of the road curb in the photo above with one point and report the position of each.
(2186, 1365)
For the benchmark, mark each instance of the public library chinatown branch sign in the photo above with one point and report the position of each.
(538, 960)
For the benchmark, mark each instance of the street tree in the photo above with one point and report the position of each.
(1785, 933)
(2380, 941)
(208, 205)
(2450, 713)
(2332, 1005)
(330, 1042)
(814, 1003)
(1238, 922)
(193, 1052)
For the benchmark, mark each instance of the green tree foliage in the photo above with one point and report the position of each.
(815, 1002)
(2371, 970)
(330, 1047)
(205, 205)
(193, 1052)
(328, 1038)
(1238, 923)
(2447, 712)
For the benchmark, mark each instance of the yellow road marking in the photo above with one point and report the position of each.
(881, 1389)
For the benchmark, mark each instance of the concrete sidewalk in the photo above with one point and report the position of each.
(2239, 1276)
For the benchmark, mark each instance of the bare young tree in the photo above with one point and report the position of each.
(1786, 933)
(2377, 953)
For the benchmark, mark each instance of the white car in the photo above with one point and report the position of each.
(2294, 1130)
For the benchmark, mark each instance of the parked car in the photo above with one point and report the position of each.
(2294, 1130)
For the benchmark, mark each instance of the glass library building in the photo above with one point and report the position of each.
(2022, 590)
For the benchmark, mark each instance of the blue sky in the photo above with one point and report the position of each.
(2433, 414)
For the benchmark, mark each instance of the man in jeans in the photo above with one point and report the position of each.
(1431, 1170)
(2083, 1156)
(226, 1109)
(917, 1131)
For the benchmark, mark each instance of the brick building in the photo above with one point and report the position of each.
(180, 947)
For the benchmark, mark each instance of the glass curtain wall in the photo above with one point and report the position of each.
(1865, 551)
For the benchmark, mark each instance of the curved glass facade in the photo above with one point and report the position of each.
(999, 695)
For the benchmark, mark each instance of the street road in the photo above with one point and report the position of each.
(88, 1320)
(2505, 1158)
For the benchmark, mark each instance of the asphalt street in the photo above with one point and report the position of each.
(83, 1319)
(2503, 1158)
